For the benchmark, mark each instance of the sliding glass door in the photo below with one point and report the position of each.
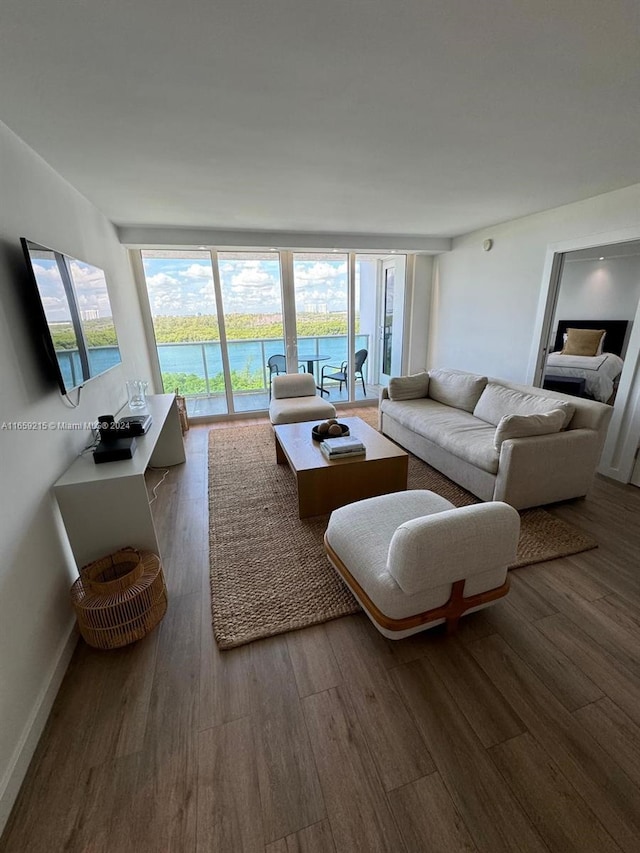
(321, 292)
(251, 290)
(185, 319)
(226, 322)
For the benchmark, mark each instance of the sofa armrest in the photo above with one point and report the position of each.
(453, 545)
(546, 468)
(383, 395)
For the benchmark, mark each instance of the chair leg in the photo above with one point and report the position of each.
(364, 390)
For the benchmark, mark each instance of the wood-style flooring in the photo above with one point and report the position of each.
(519, 733)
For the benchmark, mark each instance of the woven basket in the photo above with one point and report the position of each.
(113, 573)
(181, 403)
(113, 608)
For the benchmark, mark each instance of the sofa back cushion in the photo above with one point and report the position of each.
(497, 401)
(523, 426)
(456, 388)
(409, 387)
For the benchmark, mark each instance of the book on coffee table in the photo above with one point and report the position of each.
(347, 445)
(345, 454)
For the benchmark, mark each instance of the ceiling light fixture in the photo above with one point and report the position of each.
(601, 259)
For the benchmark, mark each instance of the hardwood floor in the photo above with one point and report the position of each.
(519, 733)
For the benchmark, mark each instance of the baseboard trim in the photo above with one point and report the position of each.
(23, 753)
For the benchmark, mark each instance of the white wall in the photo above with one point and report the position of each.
(36, 568)
(419, 306)
(485, 303)
(598, 290)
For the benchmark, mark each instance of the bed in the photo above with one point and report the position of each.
(599, 373)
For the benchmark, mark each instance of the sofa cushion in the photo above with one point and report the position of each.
(497, 401)
(453, 430)
(456, 388)
(409, 387)
(583, 341)
(521, 426)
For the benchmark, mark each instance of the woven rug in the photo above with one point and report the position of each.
(269, 572)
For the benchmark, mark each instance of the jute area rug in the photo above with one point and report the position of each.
(269, 572)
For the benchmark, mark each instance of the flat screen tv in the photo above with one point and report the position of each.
(72, 303)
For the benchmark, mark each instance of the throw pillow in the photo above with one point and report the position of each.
(409, 387)
(498, 400)
(583, 341)
(456, 388)
(600, 345)
(522, 426)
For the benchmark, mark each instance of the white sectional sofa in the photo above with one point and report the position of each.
(500, 441)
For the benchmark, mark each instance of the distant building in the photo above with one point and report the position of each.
(316, 307)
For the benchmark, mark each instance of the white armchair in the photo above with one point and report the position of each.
(414, 561)
(294, 400)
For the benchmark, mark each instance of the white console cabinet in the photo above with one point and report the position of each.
(106, 507)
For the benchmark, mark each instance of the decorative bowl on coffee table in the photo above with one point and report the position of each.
(320, 436)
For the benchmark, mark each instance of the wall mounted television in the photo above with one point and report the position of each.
(72, 305)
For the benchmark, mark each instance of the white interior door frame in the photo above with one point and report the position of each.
(618, 454)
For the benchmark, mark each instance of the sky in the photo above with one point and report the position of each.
(184, 286)
(89, 283)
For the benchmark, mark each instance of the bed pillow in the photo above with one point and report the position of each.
(583, 341)
(456, 388)
(523, 426)
(497, 401)
(409, 387)
(600, 345)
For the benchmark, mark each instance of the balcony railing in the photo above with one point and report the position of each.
(196, 368)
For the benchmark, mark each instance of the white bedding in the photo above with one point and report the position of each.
(598, 371)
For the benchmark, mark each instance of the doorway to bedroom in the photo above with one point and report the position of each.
(590, 339)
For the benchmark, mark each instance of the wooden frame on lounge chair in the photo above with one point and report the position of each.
(450, 611)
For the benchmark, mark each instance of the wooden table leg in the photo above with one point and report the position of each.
(281, 459)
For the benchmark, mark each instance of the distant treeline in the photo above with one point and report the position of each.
(172, 330)
(204, 327)
(99, 333)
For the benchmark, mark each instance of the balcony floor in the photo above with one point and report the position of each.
(202, 407)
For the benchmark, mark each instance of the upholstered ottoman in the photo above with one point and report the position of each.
(294, 400)
(414, 561)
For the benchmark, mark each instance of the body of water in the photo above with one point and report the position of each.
(100, 359)
(204, 360)
(248, 356)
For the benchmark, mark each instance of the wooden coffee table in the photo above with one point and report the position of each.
(323, 484)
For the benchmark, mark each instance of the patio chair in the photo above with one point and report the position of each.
(341, 374)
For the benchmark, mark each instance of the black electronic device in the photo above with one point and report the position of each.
(113, 450)
(106, 427)
(127, 427)
(71, 314)
(132, 425)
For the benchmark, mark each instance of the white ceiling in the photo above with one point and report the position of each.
(429, 117)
